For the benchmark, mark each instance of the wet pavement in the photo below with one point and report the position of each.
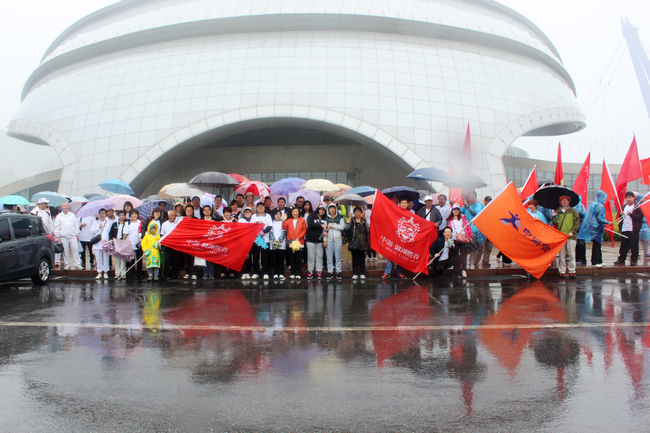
(487, 354)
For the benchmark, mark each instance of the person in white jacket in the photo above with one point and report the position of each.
(336, 224)
(66, 231)
(43, 212)
(101, 226)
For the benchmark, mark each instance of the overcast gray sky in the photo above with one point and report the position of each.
(585, 32)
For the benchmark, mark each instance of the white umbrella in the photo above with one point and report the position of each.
(174, 190)
(319, 185)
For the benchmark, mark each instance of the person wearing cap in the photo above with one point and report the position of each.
(567, 220)
(249, 197)
(430, 213)
(42, 211)
(66, 231)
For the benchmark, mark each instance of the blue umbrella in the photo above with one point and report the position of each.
(116, 186)
(14, 200)
(97, 198)
(146, 208)
(402, 192)
(286, 186)
(92, 208)
(363, 191)
(55, 198)
(80, 199)
(430, 173)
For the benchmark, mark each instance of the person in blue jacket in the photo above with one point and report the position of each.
(470, 209)
(593, 228)
(581, 248)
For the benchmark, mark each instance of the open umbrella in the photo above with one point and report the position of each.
(311, 196)
(333, 194)
(239, 178)
(549, 196)
(80, 199)
(145, 209)
(258, 188)
(402, 192)
(343, 187)
(351, 200)
(174, 190)
(363, 191)
(120, 199)
(55, 198)
(98, 197)
(76, 205)
(214, 179)
(116, 186)
(430, 174)
(285, 186)
(465, 181)
(319, 185)
(91, 195)
(92, 208)
(14, 200)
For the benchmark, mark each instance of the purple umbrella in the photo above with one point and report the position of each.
(92, 208)
(286, 186)
(311, 196)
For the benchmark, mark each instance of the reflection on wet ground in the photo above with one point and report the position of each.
(495, 354)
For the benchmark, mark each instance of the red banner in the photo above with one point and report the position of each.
(527, 241)
(400, 236)
(225, 244)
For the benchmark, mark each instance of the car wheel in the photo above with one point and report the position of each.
(42, 274)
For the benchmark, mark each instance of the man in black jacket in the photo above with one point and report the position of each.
(630, 227)
(446, 253)
(430, 213)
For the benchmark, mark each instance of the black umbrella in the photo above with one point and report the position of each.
(402, 192)
(213, 179)
(89, 196)
(549, 196)
(430, 173)
(465, 181)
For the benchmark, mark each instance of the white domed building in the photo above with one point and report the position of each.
(362, 91)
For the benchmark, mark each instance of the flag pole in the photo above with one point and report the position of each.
(141, 257)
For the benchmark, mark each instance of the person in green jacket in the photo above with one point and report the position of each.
(567, 220)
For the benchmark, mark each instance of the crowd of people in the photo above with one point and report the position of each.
(312, 236)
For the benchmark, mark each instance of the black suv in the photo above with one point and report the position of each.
(26, 250)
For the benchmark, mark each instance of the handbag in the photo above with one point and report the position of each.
(354, 245)
(95, 239)
(462, 238)
(58, 248)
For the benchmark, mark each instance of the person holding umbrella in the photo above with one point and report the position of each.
(567, 220)
(101, 227)
(42, 211)
(134, 229)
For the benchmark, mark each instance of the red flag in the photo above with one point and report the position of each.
(531, 184)
(645, 168)
(529, 242)
(559, 173)
(582, 181)
(630, 170)
(225, 244)
(455, 195)
(608, 187)
(467, 152)
(646, 210)
(400, 236)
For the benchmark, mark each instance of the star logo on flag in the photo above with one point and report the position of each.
(514, 220)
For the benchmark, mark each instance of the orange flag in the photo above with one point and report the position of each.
(531, 185)
(527, 241)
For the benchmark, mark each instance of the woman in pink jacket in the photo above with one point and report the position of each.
(458, 224)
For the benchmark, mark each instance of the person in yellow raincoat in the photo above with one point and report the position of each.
(151, 251)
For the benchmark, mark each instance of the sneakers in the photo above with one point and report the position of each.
(463, 274)
(282, 277)
(339, 277)
(266, 277)
(187, 276)
(194, 277)
(330, 277)
(375, 259)
(572, 275)
(385, 277)
(66, 268)
(319, 276)
(362, 277)
(632, 263)
(298, 277)
(245, 276)
(562, 276)
(599, 265)
(275, 276)
(99, 276)
(402, 276)
(293, 277)
(106, 275)
(255, 276)
(310, 276)
(355, 277)
(619, 263)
